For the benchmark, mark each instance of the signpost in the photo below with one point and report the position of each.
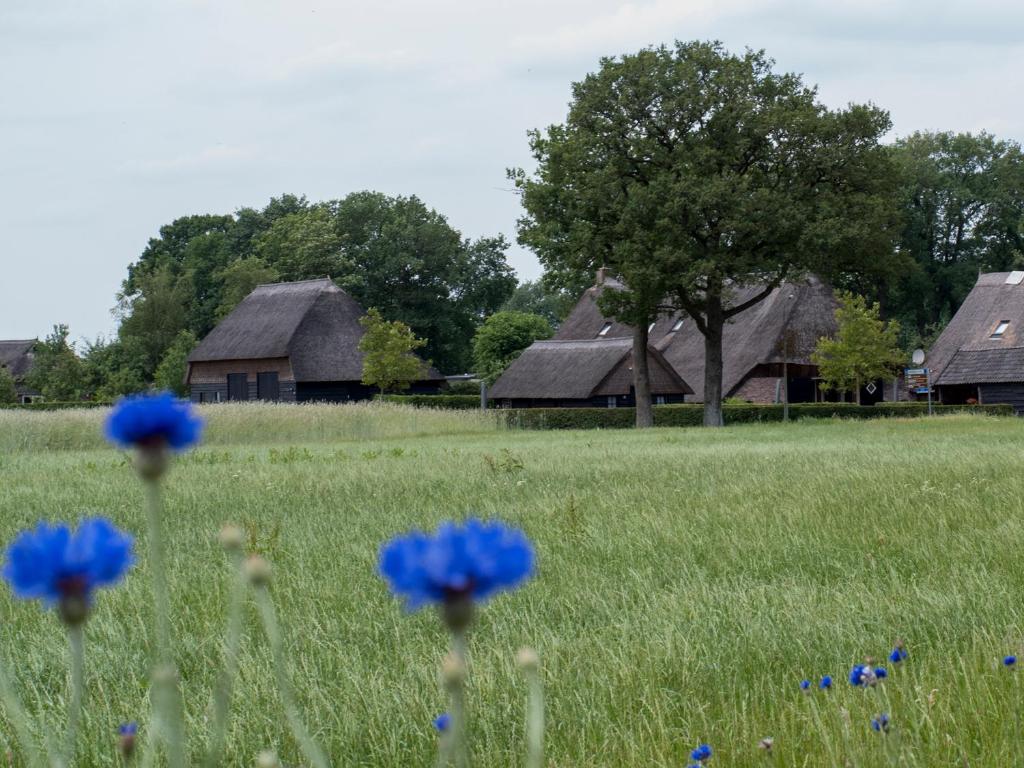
(919, 380)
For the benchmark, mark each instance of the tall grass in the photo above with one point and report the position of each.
(688, 580)
(252, 424)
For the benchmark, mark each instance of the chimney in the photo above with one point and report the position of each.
(602, 273)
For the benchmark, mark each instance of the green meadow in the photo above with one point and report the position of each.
(687, 581)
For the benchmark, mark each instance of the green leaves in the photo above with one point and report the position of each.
(502, 337)
(388, 359)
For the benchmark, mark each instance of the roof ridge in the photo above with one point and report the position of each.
(296, 282)
(18, 341)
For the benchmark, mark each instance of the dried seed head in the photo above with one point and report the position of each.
(165, 674)
(152, 460)
(766, 744)
(267, 759)
(257, 571)
(528, 660)
(232, 538)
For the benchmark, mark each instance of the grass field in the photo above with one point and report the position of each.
(688, 580)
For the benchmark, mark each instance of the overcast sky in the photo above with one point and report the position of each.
(117, 116)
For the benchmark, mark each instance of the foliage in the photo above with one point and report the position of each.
(8, 393)
(464, 387)
(865, 347)
(962, 205)
(238, 279)
(690, 171)
(445, 402)
(502, 337)
(170, 374)
(111, 370)
(536, 297)
(691, 415)
(388, 350)
(56, 371)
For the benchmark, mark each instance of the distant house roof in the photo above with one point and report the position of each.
(751, 338)
(312, 322)
(967, 351)
(16, 356)
(578, 369)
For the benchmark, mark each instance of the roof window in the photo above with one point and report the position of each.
(604, 330)
(677, 325)
(1000, 329)
(1015, 278)
(651, 326)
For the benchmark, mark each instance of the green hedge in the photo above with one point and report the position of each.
(448, 402)
(57, 405)
(693, 415)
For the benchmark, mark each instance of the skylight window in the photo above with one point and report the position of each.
(1000, 329)
(678, 324)
(651, 326)
(604, 331)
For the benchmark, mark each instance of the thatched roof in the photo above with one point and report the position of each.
(577, 369)
(965, 352)
(751, 338)
(16, 356)
(312, 322)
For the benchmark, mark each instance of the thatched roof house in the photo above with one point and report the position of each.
(980, 354)
(786, 324)
(583, 372)
(16, 357)
(287, 341)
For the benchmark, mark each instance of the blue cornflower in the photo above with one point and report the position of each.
(1009, 661)
(866, 675)
(458, 563)
(880, 723)
(701, 753)
(128, 729)
(826, 683)
(899, 653)
(59, 567)
(126, 744)
(805, 684)
(442, 722)
(153, 421)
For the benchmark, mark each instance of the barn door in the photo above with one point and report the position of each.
(267, 386)
(238, 386)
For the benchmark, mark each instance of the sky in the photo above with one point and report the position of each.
(118, 116)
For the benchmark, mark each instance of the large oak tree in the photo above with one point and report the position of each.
(692, 172)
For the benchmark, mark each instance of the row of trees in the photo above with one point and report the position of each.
(690, 171)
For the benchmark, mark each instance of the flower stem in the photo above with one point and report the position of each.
(76, 641)
(222, 696)
(31, 752)
(165, 682)
(457, 688)
(308, 746)
(535, 720)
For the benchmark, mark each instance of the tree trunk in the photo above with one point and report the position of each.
(642, 378)
(856, 388)
(713, 363)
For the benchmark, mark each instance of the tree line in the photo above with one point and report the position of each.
(686, 169)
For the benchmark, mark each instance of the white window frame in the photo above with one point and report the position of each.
(1000, 329)
(604, 329)
(677, 325)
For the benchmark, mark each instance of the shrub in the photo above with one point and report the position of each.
(447, 402)
(692, 415)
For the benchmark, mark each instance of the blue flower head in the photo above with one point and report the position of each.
(899, 653)
(880, 723)
(867, 676)
(442, 722)
(157, 420)
(52, 564)
(472, 561)
(826, 683)
(880, 673)
(1009, 661)
(805, 684)
(126, 744)
(128, 729)
(701, 753)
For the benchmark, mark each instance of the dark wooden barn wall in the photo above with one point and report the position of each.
(1013, 394)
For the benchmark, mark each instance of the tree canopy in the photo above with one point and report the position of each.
(865, 347)
(691, 172)
(388, 347)
(502, 337)
(56, 371)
